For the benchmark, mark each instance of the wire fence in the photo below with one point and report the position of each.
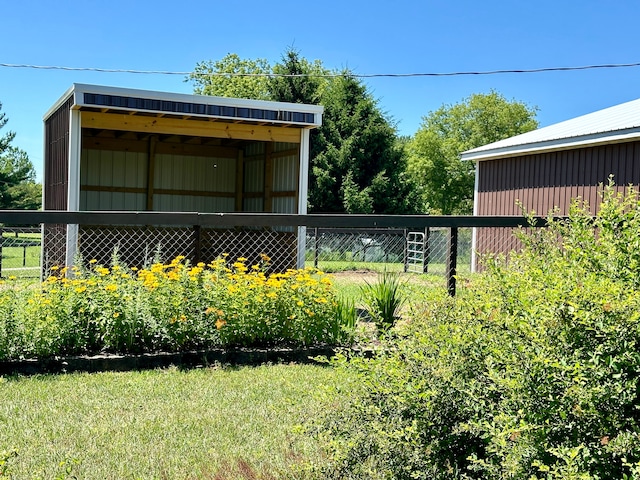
(445, 246)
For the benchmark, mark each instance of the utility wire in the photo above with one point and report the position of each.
(325, 75)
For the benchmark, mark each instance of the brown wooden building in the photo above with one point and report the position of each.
(547, 168)
(119, 149)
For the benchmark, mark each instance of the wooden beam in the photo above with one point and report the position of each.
(157, 125)
(239, 181)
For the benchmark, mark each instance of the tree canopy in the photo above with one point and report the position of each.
(18, 189)
(444, 182)
(355, 163)
(232, 76)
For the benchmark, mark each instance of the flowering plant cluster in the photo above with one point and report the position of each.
(170, 307)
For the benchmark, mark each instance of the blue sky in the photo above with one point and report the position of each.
(405, 36)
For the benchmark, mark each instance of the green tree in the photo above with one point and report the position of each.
(356, 164)
(445, 182)
(298, 80)
(232, 76)
(18, 188)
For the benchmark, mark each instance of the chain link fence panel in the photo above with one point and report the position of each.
(28, 253)
(141, 246)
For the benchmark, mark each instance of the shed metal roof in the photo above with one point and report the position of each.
(144, 102)
(611, 125)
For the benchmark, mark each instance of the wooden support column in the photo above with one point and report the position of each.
(268, 178)
(151, 168)
(239, 205)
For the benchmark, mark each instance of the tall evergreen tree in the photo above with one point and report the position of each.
(356, 165)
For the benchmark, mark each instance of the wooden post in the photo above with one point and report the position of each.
(452, 261)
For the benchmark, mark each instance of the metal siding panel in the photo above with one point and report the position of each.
(253, 205)
(224, 175)
(284, 205)
(254, 176)
(255, 148)
(636, 165)
(56, 158)
(285, 170)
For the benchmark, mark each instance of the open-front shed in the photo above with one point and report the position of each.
(120, 149)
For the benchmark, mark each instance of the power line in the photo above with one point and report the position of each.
(325, 75)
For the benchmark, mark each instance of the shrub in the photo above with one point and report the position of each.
(531, 373)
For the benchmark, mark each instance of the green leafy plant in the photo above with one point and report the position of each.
(384, 299)
(171, 307)
(530, 373)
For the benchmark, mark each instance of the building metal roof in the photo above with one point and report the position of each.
(203, 107)
(615, 124)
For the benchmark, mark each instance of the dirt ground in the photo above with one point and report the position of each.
(355, 276)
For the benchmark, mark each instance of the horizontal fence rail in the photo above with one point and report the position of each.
(416, 243)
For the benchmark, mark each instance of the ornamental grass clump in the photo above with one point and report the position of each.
(383, 300)
(167, 307)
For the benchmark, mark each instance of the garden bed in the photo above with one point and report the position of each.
(147, 361)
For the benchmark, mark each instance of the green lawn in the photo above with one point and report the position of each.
(21, 254)
(222, 423)
(208, 423)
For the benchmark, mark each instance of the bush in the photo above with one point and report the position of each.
(170, 307)
(531, 373)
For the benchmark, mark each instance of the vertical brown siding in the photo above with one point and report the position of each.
(55, 185)
(542, 182)
(56, 158)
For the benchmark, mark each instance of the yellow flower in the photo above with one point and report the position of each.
(12, 277)
(80, 289)
(271, 295)
(116, 314)
(92, 261)
(220, 324)
(112, 287)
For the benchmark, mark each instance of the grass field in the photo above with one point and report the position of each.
(20, 254)
(211, 423)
